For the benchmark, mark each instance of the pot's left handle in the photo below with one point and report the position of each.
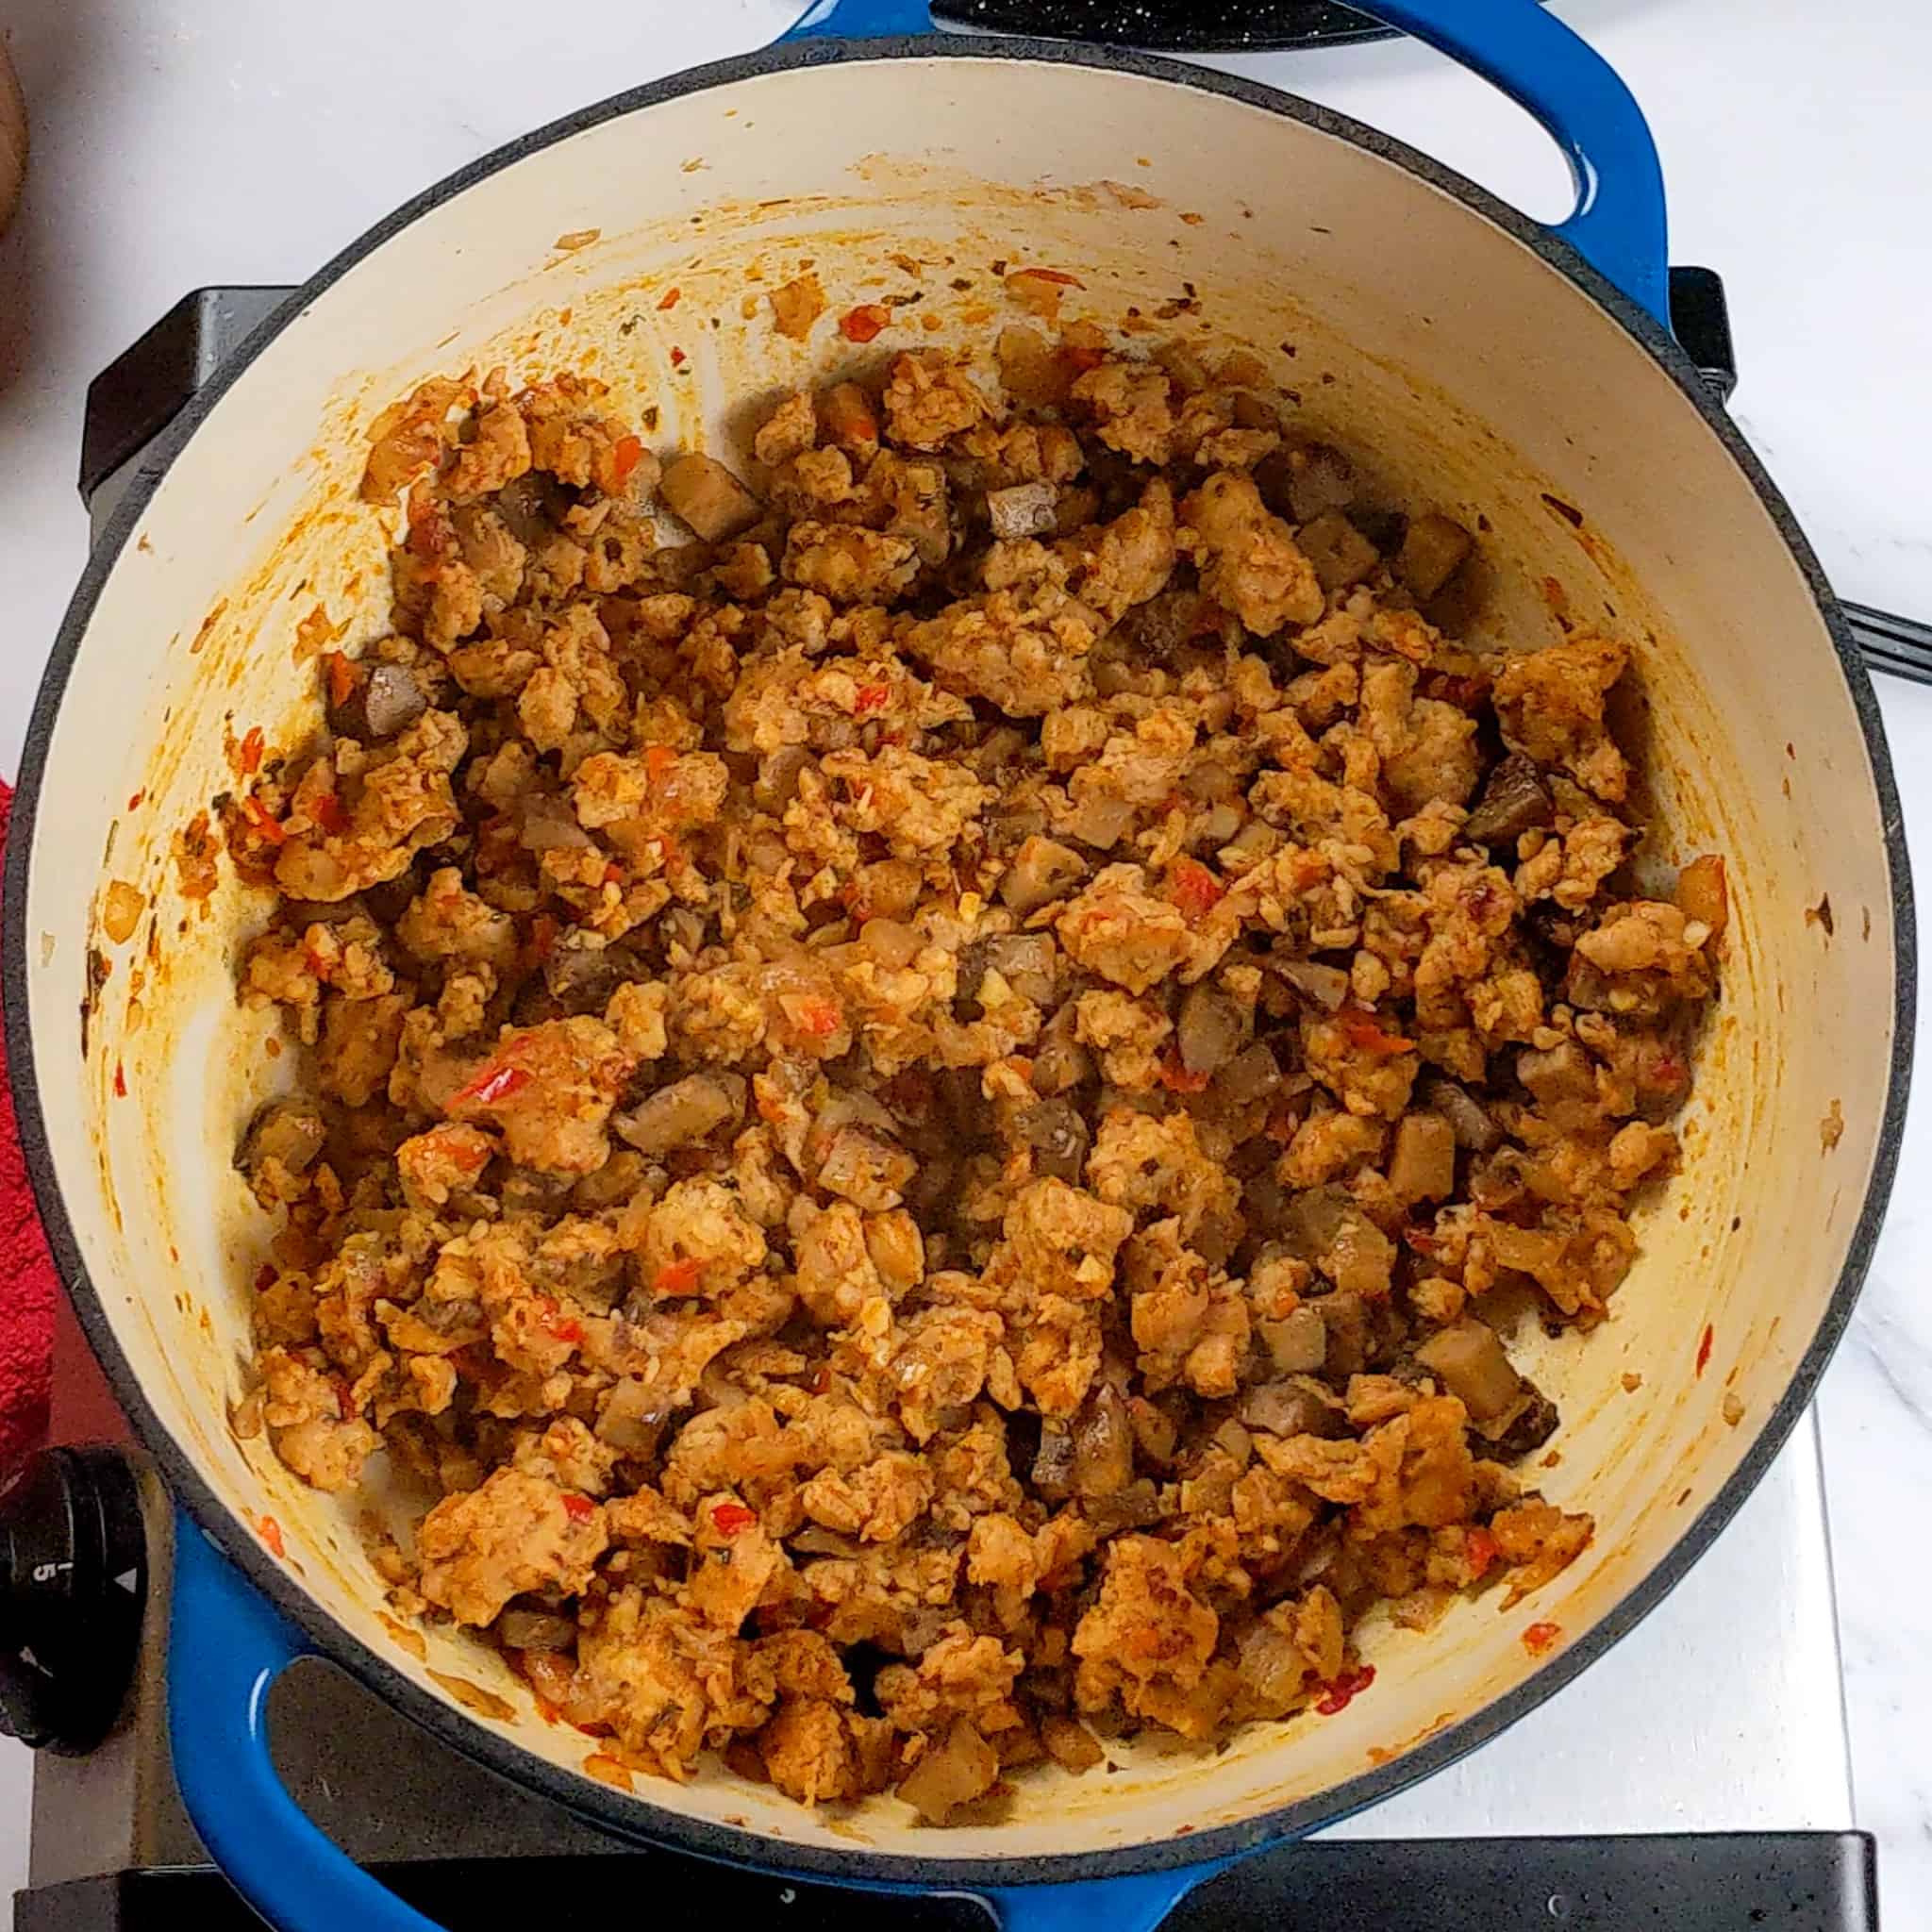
(227, 1646)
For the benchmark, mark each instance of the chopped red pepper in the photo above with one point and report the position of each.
(567, 1331)
(134, 802)
(818, 1018)
(1481, 1549)
(1342, 1691)
(727, 1519)
(871, 697)
(678, 1277)
(264, 821)
(1362, 1029)
(863, 324)
(1175, 1077)
(253, 744)
(120, 1081)
(578, 1508)
(669, 299)
(677, 358)
(1194, 889)
(492, 1085)
(342, 677)
(1419, 1239)
(659, 760)
(613, 874)
(272, 1535)
(325, 808)
(1704, 1344)
(1540, 1637)
(624, 457)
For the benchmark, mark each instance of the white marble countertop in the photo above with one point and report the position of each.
(186, 141)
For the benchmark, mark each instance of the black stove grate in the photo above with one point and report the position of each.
(1199, 27)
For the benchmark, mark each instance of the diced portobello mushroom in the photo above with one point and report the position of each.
(1295, 1406)
(382, 700)
(518, 1630)
(1027, 963)
(1340, 554)
(284, 1130)
(1250, 1077)
(1056, 1132)
(1469, 1361)
(1297, 1344)
(1025, 509)
(1423, 1167)
(1563, 1072)
(702, 491)
(1059, 1061)
(1469, 1119)
(1043, 871)
(1346, 1317)
(1307, 480)
(1103, 1445)
(1514, 801)
(954, 1771)
(686, 1110)
(1533, 1423)
(1433, 548)
(1209, 1029)
(1053, 1463)
(1327, 986)
(1134, 1505)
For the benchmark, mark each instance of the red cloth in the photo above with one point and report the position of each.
(29, 1284)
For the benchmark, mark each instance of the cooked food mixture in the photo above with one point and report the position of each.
(937, 1065)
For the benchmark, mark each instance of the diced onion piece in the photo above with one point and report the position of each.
(122, 906)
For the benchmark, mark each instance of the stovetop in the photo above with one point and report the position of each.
(1722, 1714)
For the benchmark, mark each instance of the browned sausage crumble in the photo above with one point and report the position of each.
(922, 1111)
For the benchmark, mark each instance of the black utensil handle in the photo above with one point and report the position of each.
(1893, 644)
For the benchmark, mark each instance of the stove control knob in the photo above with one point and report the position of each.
(73, 1583)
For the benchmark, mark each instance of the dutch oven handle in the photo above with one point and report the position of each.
(227, 1646)
(1618, 223)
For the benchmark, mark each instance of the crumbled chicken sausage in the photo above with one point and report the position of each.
(917, 1101)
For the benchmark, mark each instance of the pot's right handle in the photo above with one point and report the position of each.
(227, 1646)
(1618, 226)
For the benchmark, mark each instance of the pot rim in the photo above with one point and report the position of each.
(640, 1819)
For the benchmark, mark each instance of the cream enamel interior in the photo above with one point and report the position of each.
(1421, 333)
